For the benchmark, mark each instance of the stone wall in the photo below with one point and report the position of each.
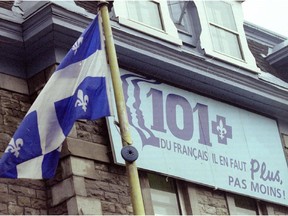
(111, 188)
(90, 184)
(22, 197)
(17, 196)
(206, 201)
(212, 202)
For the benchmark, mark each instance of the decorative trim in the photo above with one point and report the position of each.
(248, 62)
(199, 73)
(38, 36)
(169, 34)
(10, 26)
(279, 54)
(51, 30)
(262, 35)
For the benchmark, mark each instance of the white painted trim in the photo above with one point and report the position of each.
(169, 33)
(206, 41)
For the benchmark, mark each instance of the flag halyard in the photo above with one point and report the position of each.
(76, 90)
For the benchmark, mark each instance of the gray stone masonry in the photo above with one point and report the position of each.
(211, 202)
(111, 188)
(17, 196)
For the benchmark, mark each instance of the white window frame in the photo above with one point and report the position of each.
(234, 210)
(168, 33)
(147, 199)
(248, 61)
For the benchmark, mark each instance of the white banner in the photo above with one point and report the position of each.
(201, 140)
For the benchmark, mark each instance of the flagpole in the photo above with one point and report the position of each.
(135, 189)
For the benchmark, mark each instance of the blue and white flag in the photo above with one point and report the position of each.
(78, 89)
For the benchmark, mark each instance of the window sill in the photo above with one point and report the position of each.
(150, 31)
(240, 63)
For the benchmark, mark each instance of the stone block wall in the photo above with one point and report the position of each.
(17, 196)
(22, 197)
(92, 131)
(111, 188)
(212, 202)
(87, 181)
(206, 201)
(13, 107)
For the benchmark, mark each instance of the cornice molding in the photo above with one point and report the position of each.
(199, 73)
(49, 34)
(279, 55)
(262, 35)
(52, 30)
(40, 38)
(10, 26)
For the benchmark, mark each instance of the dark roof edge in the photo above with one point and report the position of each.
(262, 35)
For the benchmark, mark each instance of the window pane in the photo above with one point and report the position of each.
(163, 195)
(225, 42)
(245, 202)
(245, 205)
(164, 202)
(146, 12)
(179, 14)
(221, 14)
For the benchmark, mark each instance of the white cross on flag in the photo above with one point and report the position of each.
(78, 89)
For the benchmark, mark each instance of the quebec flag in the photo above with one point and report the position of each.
(78, 89)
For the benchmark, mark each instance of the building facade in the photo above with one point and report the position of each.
(207, 102)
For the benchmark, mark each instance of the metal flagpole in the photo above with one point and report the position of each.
(135, 190)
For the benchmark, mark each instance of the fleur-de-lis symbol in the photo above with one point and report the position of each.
(82, 100)
(15, 147)
(222, 130)
(77, 44)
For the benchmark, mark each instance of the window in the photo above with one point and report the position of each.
(146, 12)
(185, 17)
(148, 16)
(222, 33)
(178, 11)
(160, 195)
(240, 205)
(223, 29)
(163, 195)
(244, 206)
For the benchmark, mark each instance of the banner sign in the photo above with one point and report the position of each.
(188, 136)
